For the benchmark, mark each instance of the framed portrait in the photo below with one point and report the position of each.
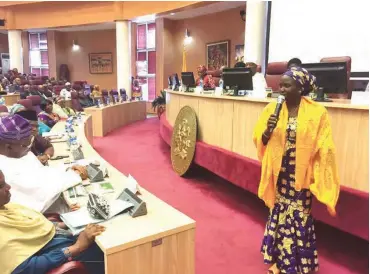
(239, 53)
(100, 63)
(217, 54)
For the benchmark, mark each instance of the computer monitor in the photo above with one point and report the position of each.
(188, 79)
(175, 81)
(330, 77)
(237, 79)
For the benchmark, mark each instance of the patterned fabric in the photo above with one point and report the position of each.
(208, 82)
(14, 127)
(202, 69)
(48, 119)
(303, 78)
(15, 108)
(315, 168)
(289, 239)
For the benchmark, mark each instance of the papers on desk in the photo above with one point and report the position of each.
(77, 220)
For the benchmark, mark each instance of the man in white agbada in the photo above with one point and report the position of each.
(33, 185)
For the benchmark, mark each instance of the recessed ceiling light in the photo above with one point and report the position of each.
(172, 13)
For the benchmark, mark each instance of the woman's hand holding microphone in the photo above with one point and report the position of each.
(271, 124)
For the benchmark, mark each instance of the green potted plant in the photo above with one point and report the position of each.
(159, 103)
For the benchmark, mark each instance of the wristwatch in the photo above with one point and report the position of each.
(67, 253)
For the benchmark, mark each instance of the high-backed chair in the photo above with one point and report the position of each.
(76, 102)
(216, 75)
(27, 103)
(348, 60)
(123, 94)
(105, 95)
(35, 82)
(3, 108)
(273, 74)
(114, 93)
(36, 101)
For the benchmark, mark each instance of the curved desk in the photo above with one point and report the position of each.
(111, 117)
(225, 147)
(161, 242)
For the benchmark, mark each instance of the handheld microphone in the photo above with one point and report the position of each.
(279, 105)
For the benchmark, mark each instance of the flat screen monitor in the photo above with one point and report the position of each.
(175, 81)
(331, 77)
(188, 79)
(237, 78)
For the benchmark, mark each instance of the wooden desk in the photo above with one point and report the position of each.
(108, 118)
(162, 242)
(11, 99)
(228, 122)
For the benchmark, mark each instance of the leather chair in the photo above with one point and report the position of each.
(27, 103)
(75, 101)
(123, 94)
(105, 95)
(3, 108)
(273, 74)
(36, 101)
(348, 60)
(112, 94)
(35, 82)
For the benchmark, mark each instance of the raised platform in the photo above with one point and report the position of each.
(244, 171)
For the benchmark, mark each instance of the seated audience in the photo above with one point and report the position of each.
(85, 99)
(17, 84)
(41, 126)
(294, 62)
(4, 83)
(208, 82)
(259, 81)
(41, 147)
(63, 105)
(66, 92)
(30, 243)
(96, 93)
(26, 91)
(35, 185)
(46, 115)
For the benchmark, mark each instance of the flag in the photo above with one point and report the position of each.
(184, 60)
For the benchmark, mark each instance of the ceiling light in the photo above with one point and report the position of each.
(75, 46)
(144, 19)
(172, 13)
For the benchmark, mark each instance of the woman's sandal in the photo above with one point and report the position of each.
(273, 270)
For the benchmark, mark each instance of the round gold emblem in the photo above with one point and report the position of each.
(184, 137)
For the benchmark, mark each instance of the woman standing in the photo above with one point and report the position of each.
(298, 161)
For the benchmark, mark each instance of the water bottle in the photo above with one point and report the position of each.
(221, 83)
(98, 103)
(201, 83)
(115, 98)
(7, 89)
(108, 100)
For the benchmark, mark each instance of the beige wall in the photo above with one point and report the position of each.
(215, 27)
(61, 52)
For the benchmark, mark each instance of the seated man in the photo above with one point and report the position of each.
(41, 147)
(30, 243)
(208, 82)
(66, 92)
(259, 81)
(294, 62)
(34, 185)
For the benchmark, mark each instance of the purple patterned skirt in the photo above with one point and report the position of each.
(289, 239)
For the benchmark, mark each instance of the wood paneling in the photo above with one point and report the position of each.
(228, 122)
(161, 242)
(108, 118)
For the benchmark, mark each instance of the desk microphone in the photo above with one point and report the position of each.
(279, 105)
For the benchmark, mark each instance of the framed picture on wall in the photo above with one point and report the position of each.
(239, 53)
(100, 63)
(217, 54)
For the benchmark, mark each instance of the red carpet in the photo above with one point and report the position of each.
(230, 221)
